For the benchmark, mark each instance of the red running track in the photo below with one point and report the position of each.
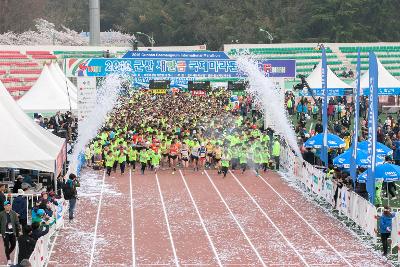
(194, 219)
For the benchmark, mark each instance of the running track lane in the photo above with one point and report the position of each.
(152, 242)
(73, 246)
(344, 241)
(270, 244)
(191, 243)
(113, 241)
(231, 245)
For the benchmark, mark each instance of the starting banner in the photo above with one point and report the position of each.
(173, 67)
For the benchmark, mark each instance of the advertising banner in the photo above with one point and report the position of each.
(168, 68)
(174, 55)
(86, 96)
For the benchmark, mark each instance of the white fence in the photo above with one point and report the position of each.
(314, 181)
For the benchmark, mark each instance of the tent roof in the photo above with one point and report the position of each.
(46, 96)
(385, 79)
(63, 82)
(314, 80)
(24, 144)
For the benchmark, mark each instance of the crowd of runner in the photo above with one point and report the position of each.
(152, 132)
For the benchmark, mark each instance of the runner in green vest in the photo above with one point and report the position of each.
(265, 157)
(143, 159)
(276, 151)
(132, 156)
(257, 158)
(122, 159)
(155, 161)
(243, 158)
(109, 162)
(225, 160)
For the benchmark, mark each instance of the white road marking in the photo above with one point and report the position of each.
(132, 221)
(201, 221)
(166, 220)
(237, 222)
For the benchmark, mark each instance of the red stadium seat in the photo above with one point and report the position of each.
(25, 71)
(11, 80)
(19, 88)
(30, 79)
(38, 52)
(44, 56)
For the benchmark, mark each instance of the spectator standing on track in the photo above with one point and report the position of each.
(9, 227)
(276, 151)
(385, 227)
(26, 244)
(71, 194)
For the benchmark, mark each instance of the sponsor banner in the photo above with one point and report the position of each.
(61, 159)
(331, 92)
(174, 55)
(198, 93)
(86, 96)
(167, 68)
(158, 91)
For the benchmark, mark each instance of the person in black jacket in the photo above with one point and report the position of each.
(39, 230)
(309, 156)
(2, 197)
(19, 205)
(18, 184)
(26, 244)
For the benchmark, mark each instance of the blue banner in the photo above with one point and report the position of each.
(383, 91)
(372, 125)
(324, 74)
(331, 92)
(176, 55)
(166, 68)
(353, 159)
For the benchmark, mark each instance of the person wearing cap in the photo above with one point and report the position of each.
(18, 184)
(19, 205)
(385, 227)
(70, 194)
(9, 229)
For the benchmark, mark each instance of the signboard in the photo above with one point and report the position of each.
(168, 68)
(199, 93)
(383, 91)
(158, 91)
(86, 96)
(199, 85)
(175, 55)
(61, 157)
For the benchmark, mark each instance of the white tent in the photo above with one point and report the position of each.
(387, 84)
(46, 96)
(63, 82)
(24, 144)
(314, 80)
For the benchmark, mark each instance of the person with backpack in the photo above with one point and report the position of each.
(70, 194)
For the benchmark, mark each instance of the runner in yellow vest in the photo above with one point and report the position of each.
(276, 151)
(109, 162)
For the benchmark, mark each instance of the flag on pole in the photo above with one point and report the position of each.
(353, 159)
(324, 78)
(372, 125)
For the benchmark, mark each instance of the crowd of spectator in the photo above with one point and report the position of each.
(64, 125)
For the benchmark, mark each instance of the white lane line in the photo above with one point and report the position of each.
(97, 221)
(201, 221)
(304, 220)
(237, 222)
(132, 221)
(166, 220)
(270, 220)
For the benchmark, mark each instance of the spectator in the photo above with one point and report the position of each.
(9, 227)
(318, 127)
(26, 244)
(2, 197)
(18, 184)
(70, 194)
(39, 230)
(309, 156)
(19, 205)
(385, 227)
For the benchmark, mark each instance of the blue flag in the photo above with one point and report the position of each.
(324, 78)
(372, 125)
(353, 159)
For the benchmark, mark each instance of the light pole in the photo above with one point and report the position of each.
(151, 39)
(269, 36)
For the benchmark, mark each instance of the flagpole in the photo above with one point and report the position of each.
(372, 125)
(324, 79)
(353, 161)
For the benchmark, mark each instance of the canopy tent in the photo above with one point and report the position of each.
(46, 96)
(24, 144)
(63, 82)
(387, 83)
(335, 85)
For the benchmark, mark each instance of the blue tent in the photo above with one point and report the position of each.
(386, 172)
(316, 141)
(381, 149)
(344, 159)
